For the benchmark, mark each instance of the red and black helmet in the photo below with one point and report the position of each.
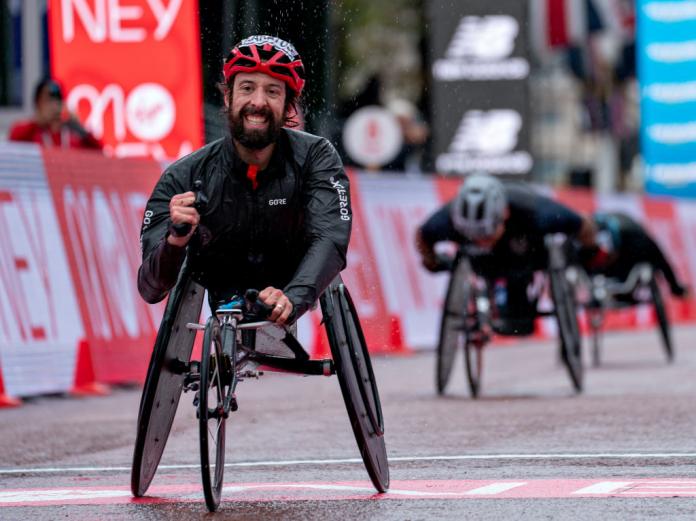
(267, 54)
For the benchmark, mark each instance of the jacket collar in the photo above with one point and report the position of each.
(275, 167)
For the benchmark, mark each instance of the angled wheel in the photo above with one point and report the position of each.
(595, 319)
(453, 323)
(164, 381)
(214, 387)
(569, 332)
(473, 355)
(662, 319)
(357, 381)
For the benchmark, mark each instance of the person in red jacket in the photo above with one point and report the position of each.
(51, 126)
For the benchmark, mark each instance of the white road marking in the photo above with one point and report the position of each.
(495, 488)
(393, 459)
(59, 495)
(604, 487)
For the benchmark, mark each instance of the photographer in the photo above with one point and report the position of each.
(51, 125)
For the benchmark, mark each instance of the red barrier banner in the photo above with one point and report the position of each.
(100, 203)
(131, 72)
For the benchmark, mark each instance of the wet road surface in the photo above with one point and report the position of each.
(529, 448)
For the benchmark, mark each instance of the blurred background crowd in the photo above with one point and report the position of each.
(567, 68)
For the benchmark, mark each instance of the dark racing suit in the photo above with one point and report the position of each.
(290, 232)
(510, 265)
(632, 245)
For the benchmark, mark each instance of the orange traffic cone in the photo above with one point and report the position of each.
(7, 401)
(396, 337)
(85, 380)
(320, 346)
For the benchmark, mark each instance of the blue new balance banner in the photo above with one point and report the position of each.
(667, 75)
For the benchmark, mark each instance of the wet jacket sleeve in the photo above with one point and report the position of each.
(161, 261)
(328, 220)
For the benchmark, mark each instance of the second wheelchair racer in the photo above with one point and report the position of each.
(502, 228)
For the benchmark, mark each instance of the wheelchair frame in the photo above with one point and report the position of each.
(610, 293)
(227, 352)
(467, 318)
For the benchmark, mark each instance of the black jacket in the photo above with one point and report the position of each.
(291, 232)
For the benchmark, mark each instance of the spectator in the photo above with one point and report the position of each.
(415, 134)
(51, 125)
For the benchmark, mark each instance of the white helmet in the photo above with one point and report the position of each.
(479, 207)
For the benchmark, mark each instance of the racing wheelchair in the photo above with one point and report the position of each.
(469, 316)
(229, 356)
(639, 287)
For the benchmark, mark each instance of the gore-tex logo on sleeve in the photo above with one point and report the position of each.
(342, 199)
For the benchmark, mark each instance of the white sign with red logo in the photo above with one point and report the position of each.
(372, 136)
(131, 72)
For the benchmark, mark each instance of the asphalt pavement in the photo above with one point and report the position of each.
(528, 448)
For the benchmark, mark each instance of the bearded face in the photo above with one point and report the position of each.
(254, 128)
(256, 110)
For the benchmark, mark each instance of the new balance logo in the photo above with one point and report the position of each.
(481, 49)
(486, 141)
(487, 132)
(484, 38)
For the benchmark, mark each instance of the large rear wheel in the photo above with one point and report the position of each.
(211, 414)
(357, 381)
(168, 368)
(662, 318)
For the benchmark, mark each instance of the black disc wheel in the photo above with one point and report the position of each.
(473, 356)
(569, 331)
(662, 319)
(453, 323)
(212, 414)
(164, 382)
(357, 381)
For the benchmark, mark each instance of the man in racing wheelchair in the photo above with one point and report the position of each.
(502, 228)
(266, 207)
(627, 275)
(506, 234)
(626, 244)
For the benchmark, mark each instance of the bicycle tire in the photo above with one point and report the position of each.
(662, 319)
(356, 380)
(569, 331)
(165, 380)
(212, 418)
(452, 323)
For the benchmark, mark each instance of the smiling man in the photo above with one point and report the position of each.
(278, 214)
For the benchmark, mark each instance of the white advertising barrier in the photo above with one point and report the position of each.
(70, 314)
(40, 323)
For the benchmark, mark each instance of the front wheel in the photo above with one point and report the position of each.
(212, 414)
(569, 331)
(596, 319)
(453, 334)
(473, 355)
(662, 319)
(357, 381)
